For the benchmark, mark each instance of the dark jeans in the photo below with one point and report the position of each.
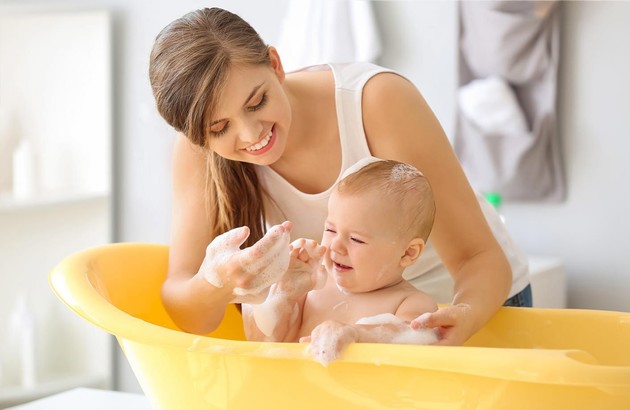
(521, 299)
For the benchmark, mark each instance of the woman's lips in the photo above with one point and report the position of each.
(264, 145)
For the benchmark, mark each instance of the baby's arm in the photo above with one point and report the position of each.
(329, 338)
(279, 317)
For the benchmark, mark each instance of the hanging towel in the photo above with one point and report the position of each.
(506, 135)
(491, 105)
(328, 31)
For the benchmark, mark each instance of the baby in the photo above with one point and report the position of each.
(379, 219)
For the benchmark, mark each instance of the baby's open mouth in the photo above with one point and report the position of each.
(341, 266)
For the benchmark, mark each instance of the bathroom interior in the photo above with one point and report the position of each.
(85, 158)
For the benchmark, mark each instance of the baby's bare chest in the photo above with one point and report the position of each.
(334, 305)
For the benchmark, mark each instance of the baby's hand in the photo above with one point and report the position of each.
(328, 339)
(305, 271)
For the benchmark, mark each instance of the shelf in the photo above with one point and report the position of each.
(9, 203)
(14, 394)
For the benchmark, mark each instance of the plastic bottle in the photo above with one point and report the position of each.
(23, 329)
(495, 199)
(23, 170)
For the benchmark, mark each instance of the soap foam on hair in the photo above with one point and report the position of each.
(403, 172)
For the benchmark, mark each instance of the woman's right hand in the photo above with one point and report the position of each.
(248, 272)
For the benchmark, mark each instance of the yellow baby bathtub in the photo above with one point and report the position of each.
(523, 358)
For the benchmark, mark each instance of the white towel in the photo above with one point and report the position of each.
(328, 31)
(491, 105)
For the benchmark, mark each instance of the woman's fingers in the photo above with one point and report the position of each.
(451, 322)
(275, 241)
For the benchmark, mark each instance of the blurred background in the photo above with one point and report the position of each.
(85, 157)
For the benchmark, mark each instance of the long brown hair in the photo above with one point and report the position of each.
(189, 63)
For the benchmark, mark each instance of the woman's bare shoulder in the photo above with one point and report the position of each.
(398, 122)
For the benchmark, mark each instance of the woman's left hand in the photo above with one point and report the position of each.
(453, 323)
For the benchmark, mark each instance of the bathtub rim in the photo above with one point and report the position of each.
(71, 283)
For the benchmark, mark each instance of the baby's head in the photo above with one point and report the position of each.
(379, 219)
(396, 183)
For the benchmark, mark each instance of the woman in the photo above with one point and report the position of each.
(258, 146)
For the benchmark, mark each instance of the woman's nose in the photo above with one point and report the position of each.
(251, 132)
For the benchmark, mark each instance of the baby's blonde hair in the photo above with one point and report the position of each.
(401, 183)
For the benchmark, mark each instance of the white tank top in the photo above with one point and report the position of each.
(308, 211)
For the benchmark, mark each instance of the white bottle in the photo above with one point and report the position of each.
(23, 330)
(24, 170)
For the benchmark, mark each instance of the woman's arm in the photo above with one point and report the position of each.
(400, 125)
(205, 273)
(184, 294)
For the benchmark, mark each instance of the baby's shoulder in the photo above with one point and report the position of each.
(414, 303)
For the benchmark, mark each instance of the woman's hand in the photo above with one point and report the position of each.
(454, 324)
(328, 339)
(247, 272)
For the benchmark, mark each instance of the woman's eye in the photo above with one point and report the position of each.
(260, 104)
(217, 130)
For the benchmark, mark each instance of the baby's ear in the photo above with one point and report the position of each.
(412, 253)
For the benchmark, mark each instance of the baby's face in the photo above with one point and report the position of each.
(366, 239)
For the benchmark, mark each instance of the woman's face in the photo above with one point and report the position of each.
(252, 119)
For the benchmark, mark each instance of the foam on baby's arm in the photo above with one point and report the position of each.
(389, 328)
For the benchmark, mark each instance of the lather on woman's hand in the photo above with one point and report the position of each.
(454, 324)
(247, 272)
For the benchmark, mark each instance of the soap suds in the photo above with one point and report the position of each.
(272, 264)
(381, 319)
(341, 305)
(324, 349)
(406, 335)
(268, 260)
(403, 172)
(218, 252)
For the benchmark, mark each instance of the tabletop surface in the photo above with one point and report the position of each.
(85, 398)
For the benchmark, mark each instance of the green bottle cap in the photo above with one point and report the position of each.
(494, 198)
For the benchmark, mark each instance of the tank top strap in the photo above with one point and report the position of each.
(350, 79)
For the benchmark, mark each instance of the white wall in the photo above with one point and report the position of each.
(590, 229)
(419, 40)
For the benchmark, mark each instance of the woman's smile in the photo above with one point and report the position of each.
(262, 146)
